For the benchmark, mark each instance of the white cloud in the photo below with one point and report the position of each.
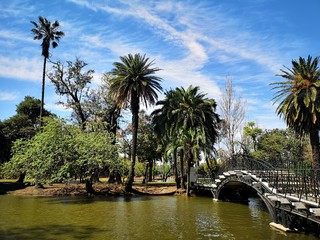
(181, 73)
(270, 121)
(8, 96)
(21, 68)
(84, 3)
(165, 6)
(11, 9)
(195, 43)
(11, 35)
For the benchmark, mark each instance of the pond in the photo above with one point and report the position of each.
(142, 217)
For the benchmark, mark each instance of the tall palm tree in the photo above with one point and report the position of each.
(134, 81)
(198, 124)
(163, 124)
(50, 35)
(300, 100)
(189, 117)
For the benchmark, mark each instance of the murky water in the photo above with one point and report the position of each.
(164, 217)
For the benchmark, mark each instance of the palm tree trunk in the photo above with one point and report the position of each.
(181, 170)
(135, 123)
(189, 156)
(175, 168)
(42, 90)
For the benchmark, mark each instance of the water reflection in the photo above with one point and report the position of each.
(143, 217)
(51, 232)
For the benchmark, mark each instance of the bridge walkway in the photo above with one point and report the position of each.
(292, 199)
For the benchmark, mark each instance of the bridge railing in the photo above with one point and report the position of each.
(302, 184)
(293, 179)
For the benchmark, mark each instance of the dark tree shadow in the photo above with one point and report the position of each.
(11, 186)
(93, 199)
(50, 232)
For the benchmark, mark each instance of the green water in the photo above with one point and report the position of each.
(165, 217)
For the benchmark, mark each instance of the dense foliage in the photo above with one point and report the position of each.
(188, 122)
(299, 100)
(24, 124)
(279, 147)
(61, 152)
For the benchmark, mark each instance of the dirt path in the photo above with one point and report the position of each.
(79, 189)
(156, 190)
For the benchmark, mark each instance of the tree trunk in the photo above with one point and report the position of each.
(42, 90)
(115, 177)
(150, 175)
(89, 187)
(81, 114)
(118, 178)
(175, 168)
(135, 123)
(314, 141)
(189, 157)
(21, 178)
(146, 179)
(181, 170)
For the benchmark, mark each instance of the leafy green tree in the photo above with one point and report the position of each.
(50, 35)
(104, 114)
(61, 152)
(281, 148)
(4, 146)
(253, 132)
(23, 124)
(165, 170)
(124, 141)
(41, 156)
(147, 150)
(209, 167)
(72, 82)
(101, 109)
(134, 81)
(94, 152)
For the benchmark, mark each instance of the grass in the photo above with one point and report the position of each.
(8, 180)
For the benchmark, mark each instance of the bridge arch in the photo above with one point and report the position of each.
(239, 190)
(292, 196)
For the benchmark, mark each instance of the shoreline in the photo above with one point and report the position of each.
(79, 189)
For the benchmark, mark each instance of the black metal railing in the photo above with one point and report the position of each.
(299, 180)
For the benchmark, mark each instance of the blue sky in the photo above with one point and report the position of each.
(193, 42)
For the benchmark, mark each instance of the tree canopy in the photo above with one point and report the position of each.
(61, 152)
(299, 100)
(188, 120)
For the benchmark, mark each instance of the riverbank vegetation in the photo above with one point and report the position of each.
(186, 130)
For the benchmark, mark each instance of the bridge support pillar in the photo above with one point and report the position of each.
(281, 227)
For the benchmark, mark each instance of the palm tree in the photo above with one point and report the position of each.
(189, 117)
(163, 124)
(134, 81)
(198, 124)
(300, 101)
(50, 35)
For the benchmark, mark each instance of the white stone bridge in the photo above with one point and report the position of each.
(291, 195)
